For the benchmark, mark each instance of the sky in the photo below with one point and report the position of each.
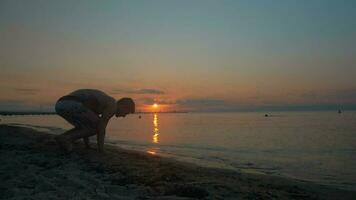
(186, 55)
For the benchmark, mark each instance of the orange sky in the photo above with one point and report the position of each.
(242, 56)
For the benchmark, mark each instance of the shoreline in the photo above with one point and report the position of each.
(34, 167)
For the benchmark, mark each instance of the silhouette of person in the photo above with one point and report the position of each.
(89, 111)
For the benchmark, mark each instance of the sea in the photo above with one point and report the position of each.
(310, 146)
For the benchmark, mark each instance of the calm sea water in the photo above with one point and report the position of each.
(313, 146)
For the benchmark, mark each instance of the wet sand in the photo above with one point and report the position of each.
(32, 167)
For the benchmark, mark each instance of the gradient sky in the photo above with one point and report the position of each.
(187, 55)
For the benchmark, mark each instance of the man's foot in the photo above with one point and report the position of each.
(64, 144)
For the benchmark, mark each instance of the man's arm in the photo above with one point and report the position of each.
(101, 135)
(104, 119)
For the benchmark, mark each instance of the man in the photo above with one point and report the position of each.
(89, 111)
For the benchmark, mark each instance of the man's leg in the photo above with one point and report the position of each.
(68, 133)
(86, 142)
(78, 133)
(66, 139)
(79, 116)
(64, 142)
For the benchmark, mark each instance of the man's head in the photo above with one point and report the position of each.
(125, 106)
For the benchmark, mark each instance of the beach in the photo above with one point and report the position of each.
(34, 168)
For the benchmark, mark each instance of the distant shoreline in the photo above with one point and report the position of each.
(26, 113)
(9, 113)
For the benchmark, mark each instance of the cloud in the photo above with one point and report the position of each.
(200, 102)
(28, 91)
(149, 91)
(149, 101)
(196, 104)
(203, 104)
(343, 94)
(331, 96)
(139, 91)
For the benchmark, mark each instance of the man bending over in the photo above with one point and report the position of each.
(89, 111)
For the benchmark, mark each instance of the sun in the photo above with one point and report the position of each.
(155, 105)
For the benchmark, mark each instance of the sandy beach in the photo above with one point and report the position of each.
(32, 167)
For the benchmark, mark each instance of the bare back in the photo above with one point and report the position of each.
(96, 100)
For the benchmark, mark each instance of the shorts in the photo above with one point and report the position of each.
(77, 114)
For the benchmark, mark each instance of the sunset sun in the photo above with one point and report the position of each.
(155, 105)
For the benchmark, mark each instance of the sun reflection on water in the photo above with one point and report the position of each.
(155, 138)
(155, 129)
(151, 152)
